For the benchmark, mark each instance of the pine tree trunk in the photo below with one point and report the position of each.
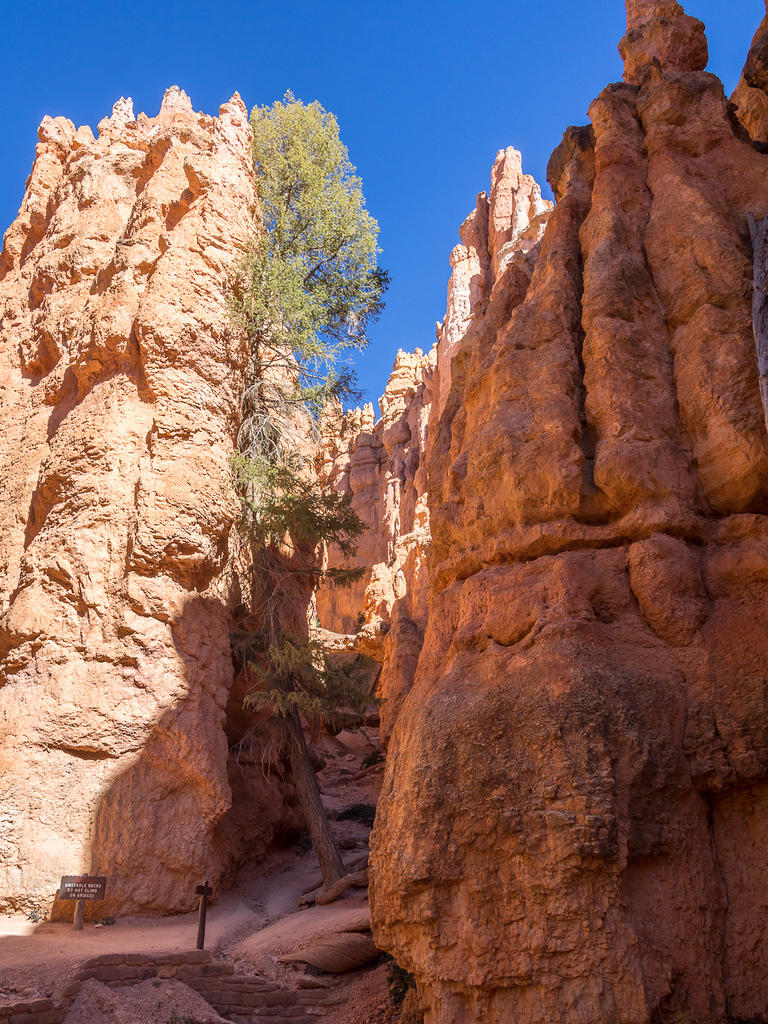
(308, 790)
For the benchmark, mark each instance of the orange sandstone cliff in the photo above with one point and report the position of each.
(574, 817)
(382, 465)
(120, 383)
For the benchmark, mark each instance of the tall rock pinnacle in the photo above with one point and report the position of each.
(573, 817)
(660, 32)
(120, 382)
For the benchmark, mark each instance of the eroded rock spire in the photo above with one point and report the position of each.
(661, 34)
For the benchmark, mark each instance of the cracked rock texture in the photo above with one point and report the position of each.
(574, 816)
(120, 381)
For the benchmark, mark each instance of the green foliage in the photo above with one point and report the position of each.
(302, 676)
(310, 286)
(38, 912)
(308, 291)
(317, 286)
(280, 502)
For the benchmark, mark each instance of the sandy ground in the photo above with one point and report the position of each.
(259, 952)
(366, 1001)
(140, 1004)
(251, 926)
(35, 959)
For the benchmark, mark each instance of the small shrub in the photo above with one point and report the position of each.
(37, 914)
(364, 813)
(400, 982)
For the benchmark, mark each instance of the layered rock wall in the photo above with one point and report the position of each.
(575, 809)
(121, 380)
(382, 464)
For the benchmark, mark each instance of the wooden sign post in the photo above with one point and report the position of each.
(203, 891)
(81, 888)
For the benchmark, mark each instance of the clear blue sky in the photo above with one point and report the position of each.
(426, 93)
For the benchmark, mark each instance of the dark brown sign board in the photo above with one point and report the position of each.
(83, 887)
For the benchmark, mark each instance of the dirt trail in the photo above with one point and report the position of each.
(36, 959)
(251, 926)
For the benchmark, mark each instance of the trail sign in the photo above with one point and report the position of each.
(83, 887)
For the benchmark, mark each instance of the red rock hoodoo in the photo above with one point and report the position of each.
(382, 465)
(575, 811)
(121, 383)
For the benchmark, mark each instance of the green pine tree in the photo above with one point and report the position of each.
(310, 288)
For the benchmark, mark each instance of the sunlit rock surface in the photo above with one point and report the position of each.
(575, 811)
(120, 379)
(382, 464)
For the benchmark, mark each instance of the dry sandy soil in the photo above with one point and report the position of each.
(140, 1004)
(251, 926)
